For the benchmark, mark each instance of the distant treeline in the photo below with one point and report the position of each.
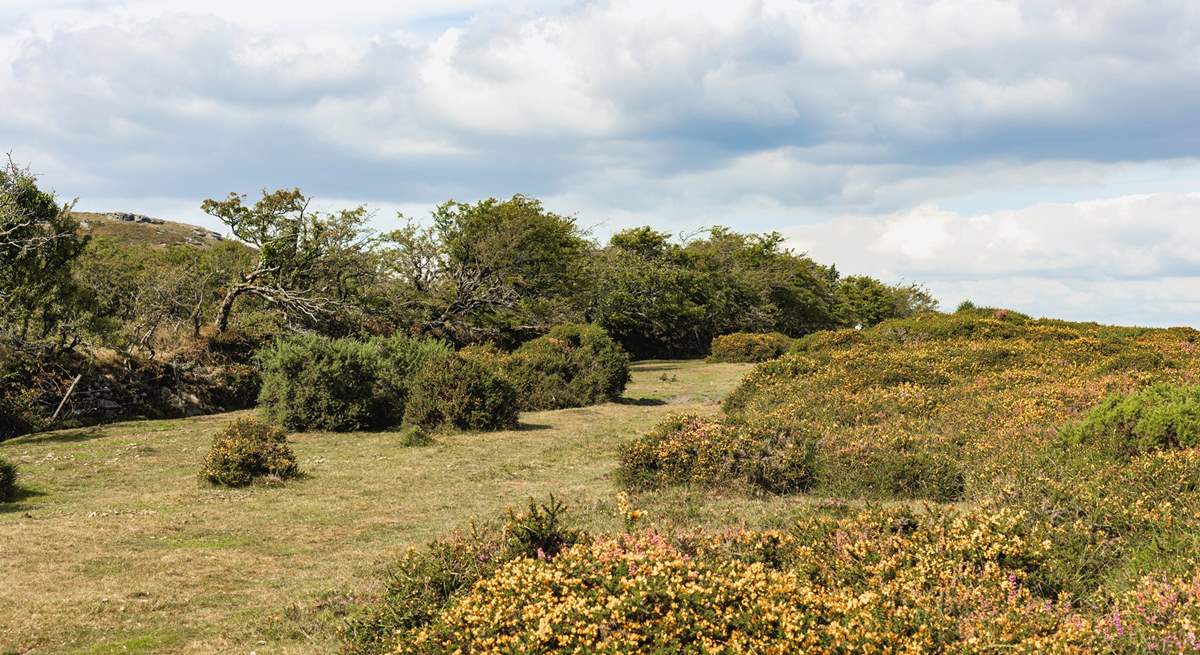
(502, 271)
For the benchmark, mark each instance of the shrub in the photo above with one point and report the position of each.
(8, 480)
(247, 450)
(315, 383)
(451, 390)
(540, 533)
(1159, 417)
(397, 360)
(421, 584)
(572, 366)
(892, 469)
(425, 582)
(691, 449)
(749, 347)
(415, 436)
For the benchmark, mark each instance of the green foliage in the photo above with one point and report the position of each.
(867, 301)
(1159, 417)
(415, 436)
(572, 366)
(39, 243)
(453, 391)
(340, 385)
(660, 299)
(8, 480)
(247, 450)
(316, 383)
(540, 532)
(749, 347)
(310, 265)
(690, 449)
(492, 270)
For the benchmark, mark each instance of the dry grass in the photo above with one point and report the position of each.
(118, 547)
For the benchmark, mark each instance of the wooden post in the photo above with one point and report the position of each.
(64, 400)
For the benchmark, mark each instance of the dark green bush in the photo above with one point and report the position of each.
(765, 456)
(894, 471)
(315, 383)
(415, 436)
(749, 347)
(1160, 417)
(451, 390)
(247, 450)
(572, 366)
(540, 532)
(8, 480)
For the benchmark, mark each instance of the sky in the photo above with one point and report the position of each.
(1043, 156)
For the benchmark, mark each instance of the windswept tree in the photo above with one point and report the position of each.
(39, 241)
(309, 263)
(494, 269)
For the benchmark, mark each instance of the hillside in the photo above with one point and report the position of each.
(139, 230)
(975, 482)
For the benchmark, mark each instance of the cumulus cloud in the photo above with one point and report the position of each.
(1131, 258)
(754, 113)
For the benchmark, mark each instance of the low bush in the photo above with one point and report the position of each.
(453, 391)
(8, 480)
(424, 582)
(247, 450)
(866, 583)
(415, 436)
(1159, 417)
(891, 469)
(749, 347)
(339, 385)
(572, 366)
(692, 449)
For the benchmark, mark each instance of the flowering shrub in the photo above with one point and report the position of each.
(876, 582)
(247, 450)
(1079, 545)
(749, 346)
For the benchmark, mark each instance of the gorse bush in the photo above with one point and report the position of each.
(749, 347)
(691, 449)
(425, 582)
(453, 391)
(540, 532)
(248, 450)
(8, 480)
(869, 582)
(1159, 417)
(572, 366)
(315, 383)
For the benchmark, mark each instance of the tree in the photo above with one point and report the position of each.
(39, 242)
(308, 263)
(498, 270)
(866, 301)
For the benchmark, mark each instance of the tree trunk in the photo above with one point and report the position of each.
(222, 322)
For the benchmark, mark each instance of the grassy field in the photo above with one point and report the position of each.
(118, 547)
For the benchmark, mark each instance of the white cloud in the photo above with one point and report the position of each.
(929, 119)
(1133, 257)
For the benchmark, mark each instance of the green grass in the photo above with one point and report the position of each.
(117, 546)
